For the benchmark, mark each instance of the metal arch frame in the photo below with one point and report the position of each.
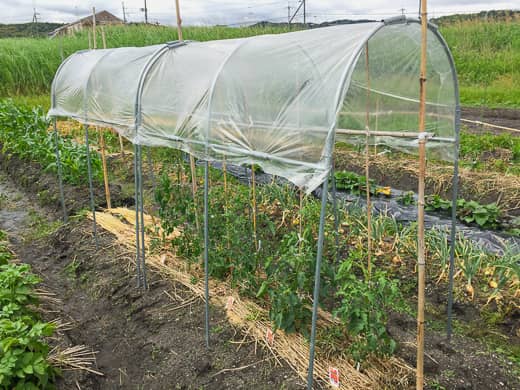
(328, 148)
(206, 171)
(206, 190)
(340, 95)
(455, 183)
(56, 138)
(57, 152)
(138, 162)
(89, 162)
(53, 85)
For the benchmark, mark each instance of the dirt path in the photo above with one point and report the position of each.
(151, 340)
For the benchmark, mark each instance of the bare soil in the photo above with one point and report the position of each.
(143, 339)
(147, 340)
(44, 189)
(507, 117)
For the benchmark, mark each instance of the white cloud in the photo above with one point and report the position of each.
(235, 11)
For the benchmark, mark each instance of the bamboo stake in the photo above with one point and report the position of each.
(105, 170)
(377, 124)
(224, 172)
(121, 146)
(103, 38)
(300, 223)
(420, 204)
(253, 194)
(192, 159)
(367, 169)
(101, 132)
(179, 20)
(94, 28)
(89, 40)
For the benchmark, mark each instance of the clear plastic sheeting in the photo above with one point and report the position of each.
(384, 96)
(271, 100)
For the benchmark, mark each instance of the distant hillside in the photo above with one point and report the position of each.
(27, 29)
(504, 15)
(300, 26)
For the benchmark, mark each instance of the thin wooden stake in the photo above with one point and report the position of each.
(103, 38)
(253, 191)
(94, 28)
(101, 131)
(89, 40)
(300, 223)
(105, 170)
(421, 261)
(179, 20)
(121, 145)
(194, 190)
(377, 124)
(367, 169)
(224, 172)
(192, 159)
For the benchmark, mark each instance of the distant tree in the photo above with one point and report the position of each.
(20, 30)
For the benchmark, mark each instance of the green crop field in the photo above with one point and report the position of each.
(487, 55)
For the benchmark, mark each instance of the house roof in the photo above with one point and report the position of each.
(101, 16)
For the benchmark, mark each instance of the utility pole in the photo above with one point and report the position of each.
(402, 11)
(35, 22)
(302, 4)
(145, 13)
(304, 13)
(124, 12)
(288, 13)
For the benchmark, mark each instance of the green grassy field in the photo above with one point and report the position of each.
(487, 55)
(28, 65)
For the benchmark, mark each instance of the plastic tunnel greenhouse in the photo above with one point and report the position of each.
(278, 101)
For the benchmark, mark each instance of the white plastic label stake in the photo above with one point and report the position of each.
(229, 303)
(334, 377)
(269, 337)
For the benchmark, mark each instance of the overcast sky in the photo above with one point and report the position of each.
(208, 12)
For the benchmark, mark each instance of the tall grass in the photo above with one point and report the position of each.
(28, 65)
(487, 55)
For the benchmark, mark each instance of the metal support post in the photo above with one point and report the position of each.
(206, 250)
(453, 233)
(141, 209)
(91, 188)
(137, 238)
(336, 213)
(60, 172)
(317, 276)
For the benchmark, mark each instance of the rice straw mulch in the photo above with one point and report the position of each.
(253, 320)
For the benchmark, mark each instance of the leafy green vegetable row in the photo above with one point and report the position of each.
(23, 348)
(25, 132)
